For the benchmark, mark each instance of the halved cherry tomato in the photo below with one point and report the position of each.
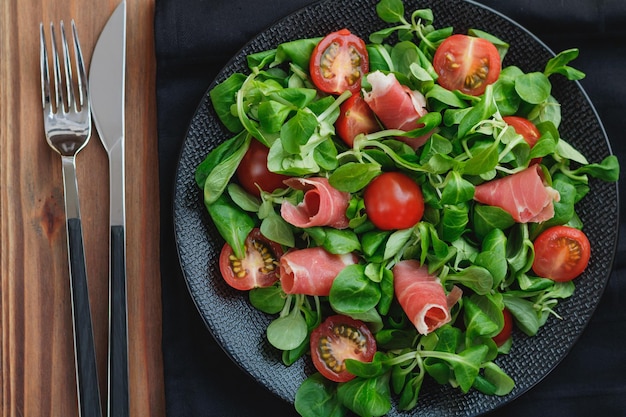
(393, 201)
(259, 267)
(338, 62)
(506, 331)
(253, 171)
(339, 338)
(561, 253)
(467, 63)
(355, 117)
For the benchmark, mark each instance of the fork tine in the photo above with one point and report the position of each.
(45, 72)
(81, 74)
(59, 99)
(67, 65)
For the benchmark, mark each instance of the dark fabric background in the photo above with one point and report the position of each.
(195, 39)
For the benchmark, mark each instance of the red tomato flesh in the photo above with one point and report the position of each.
(258, 268)
(467, 63)
(355, 117)
(507, 329)
(339, 338)
(338, 62)
(393, 201)
(525, 128)
(561, 253)
(253, 173)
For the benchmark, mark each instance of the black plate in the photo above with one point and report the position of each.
(240, 329)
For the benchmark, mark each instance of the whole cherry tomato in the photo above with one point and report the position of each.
(253, 173)
(393, 201)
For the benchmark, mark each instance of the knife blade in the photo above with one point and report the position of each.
(107, 87)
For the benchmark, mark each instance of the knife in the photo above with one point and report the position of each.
(106, 85)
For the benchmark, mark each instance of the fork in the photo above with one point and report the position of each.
(67, 124)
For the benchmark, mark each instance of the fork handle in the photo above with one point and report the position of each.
(118, 327)
(84, 346)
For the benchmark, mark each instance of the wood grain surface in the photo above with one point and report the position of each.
(37, 374)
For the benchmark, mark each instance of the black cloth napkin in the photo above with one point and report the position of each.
(195, 39)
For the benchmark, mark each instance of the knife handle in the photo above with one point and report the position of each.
(118, 328)
(85, 352)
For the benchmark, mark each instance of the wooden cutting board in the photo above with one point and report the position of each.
(37, 360)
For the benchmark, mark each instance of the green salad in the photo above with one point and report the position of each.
(398, 205)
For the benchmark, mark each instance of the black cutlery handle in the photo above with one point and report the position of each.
(85, 351)
(118, 328)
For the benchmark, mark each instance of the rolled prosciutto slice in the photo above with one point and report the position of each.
(422, 296)
(524, 195)
(396, 105)
(311, 271)
(322, 205)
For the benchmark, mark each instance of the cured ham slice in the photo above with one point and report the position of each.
(311, 271)
(422, 296)
(322, 205)
(396, 105)
(524, 195)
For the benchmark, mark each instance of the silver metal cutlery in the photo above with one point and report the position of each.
(67, 124)
(107, 83)
(68, 107)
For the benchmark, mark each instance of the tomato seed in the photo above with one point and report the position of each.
(269, 258)
(574, 250)
(237, 267)
(574, 254)
(478, 77)
(355, 61)
(328, 57)
(451, 61)
(328, 357)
